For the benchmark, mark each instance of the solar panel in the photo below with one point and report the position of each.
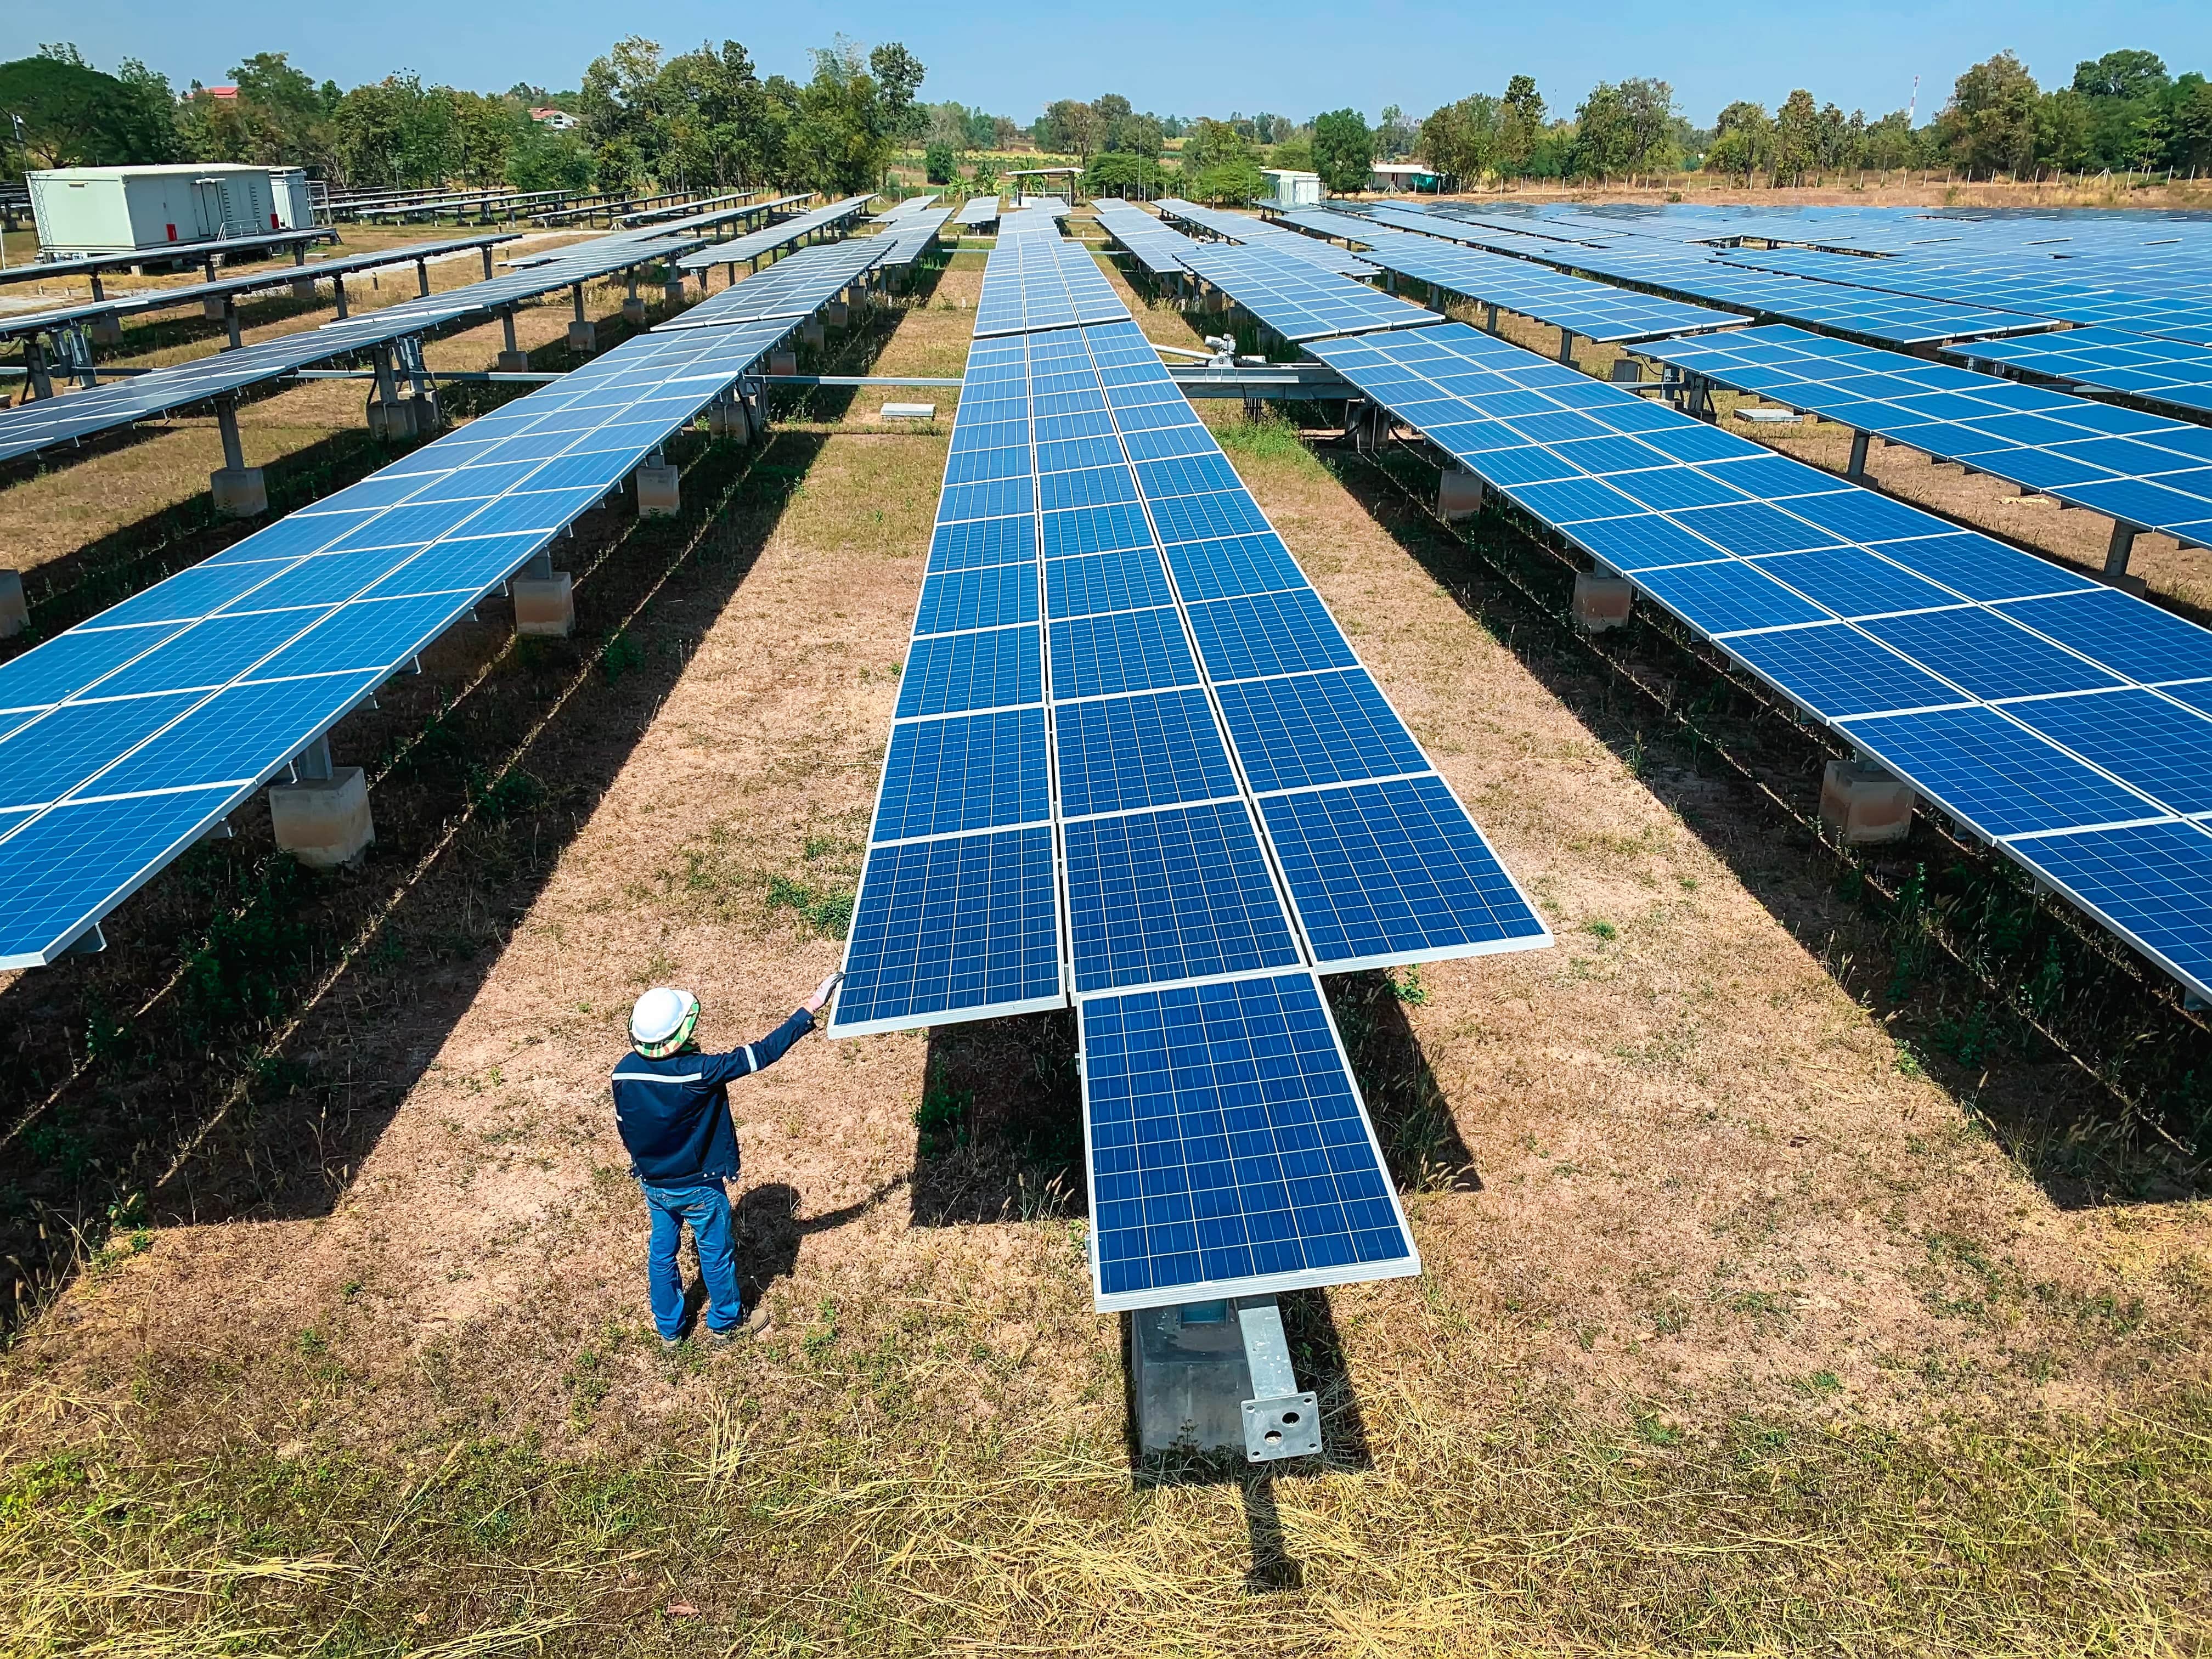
(769, 238)
(1152, 244)
(1299, 300)
(2142, 469)
(1250, 231)
(2045, 712)
(259, 650)
(1593, 310)
(2175, 374)
(1229, 1150)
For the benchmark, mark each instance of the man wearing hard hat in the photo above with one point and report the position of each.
(673, 1106)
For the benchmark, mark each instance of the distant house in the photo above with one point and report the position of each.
(559, 119)
(1398, 177)
(220, 92)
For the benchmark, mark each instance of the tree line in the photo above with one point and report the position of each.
(704, 119)
(708, 119)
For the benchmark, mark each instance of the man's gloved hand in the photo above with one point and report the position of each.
(813, 1004)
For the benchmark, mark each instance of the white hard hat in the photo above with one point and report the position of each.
(662, 1021)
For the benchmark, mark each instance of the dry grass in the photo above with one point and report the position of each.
(1740, 1331)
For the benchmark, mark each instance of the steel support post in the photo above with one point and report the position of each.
(1857, 471)
(2118, 551)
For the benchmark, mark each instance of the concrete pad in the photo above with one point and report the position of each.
(1864, 804)
(545, 605)
(239, 491)
(659, 496)
(1601, 601)
(324, 822)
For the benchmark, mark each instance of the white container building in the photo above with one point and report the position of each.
(84, 210)
(1288, 188)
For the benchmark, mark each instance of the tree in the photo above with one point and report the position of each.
(1218, 164)
(542, 159)
(1393, 136)
(1624, 129)
(2065, 129)
(1989, 123)
(2126, 74)
(1520, 124)
(1795, 138)
(1460, 140)
(1070, 127)
(841, 137)
(898, 74)
(1119, 172)
(74, 116)
(716, 129)
(2192, 123)
(1743, 141)
(1343, 150)
(938, 162)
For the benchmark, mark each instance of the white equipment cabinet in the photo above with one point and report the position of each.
(91, 210)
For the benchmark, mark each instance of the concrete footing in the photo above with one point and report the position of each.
(324, 822)
(407, 417)
(105, 330)
(836, 314)
(812, 333)
(583, 335)
(730, 422)
(1459, 494)
(1601, 601)
(783, 362)
(14, 609)
(658, 494)
(546, 604)
(212, 307)
(671, 292)
(633, 310)
(1864, 804)
(239, 491)
(513, 362)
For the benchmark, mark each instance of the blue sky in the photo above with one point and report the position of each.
(1293, 56)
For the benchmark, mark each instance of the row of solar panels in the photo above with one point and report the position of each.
(2139, 469)
(2058, 718)
(1134, 762)
(165, 299)
(47, 421)
(770, 239)
(126, 737)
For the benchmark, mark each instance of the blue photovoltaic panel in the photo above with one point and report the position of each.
(965, 923)
(1131, 579)
(1126, 650)
(1180, 893)
(1229, 1150)
(1266, 634)
(981, 542)
(1391, 871)
(1119, 754)
(994, 596)
(1960, 651)
(2163, 749)
(2176, 373)
(2147, 881)
(2142, 468)
(1306, 729)
(1727, 595)
(1987, 654)
(1231, 565)
(950, 672)
(1988, 771)
(1597, 311)
(1835, 671)
(1265, 236)
(972, 772)
(1297, 300)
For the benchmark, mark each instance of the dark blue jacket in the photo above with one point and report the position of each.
(674, 1114)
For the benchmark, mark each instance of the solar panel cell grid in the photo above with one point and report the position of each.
(1228, 1148)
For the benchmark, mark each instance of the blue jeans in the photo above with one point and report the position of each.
(706, 1205)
